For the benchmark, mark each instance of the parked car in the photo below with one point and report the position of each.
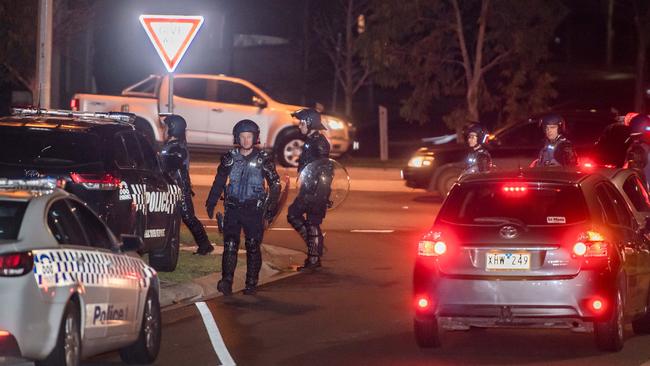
(536, 248)
(437, 167)
(106, 163)
(631, 186)
(69, 289)
(212, 104)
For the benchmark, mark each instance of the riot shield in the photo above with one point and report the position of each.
(324, 180)
(282, 201)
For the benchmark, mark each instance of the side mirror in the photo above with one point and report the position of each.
(131, 243)
(259, 102)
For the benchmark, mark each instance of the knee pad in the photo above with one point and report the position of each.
(231, 247)
(314, 230)
(296, 221)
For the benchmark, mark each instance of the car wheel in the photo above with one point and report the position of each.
(67, 351)
(426, 332)
(166, 259)
(642, 324)
(145, 349)
(609, 333)
(447, 179)
(289, 148)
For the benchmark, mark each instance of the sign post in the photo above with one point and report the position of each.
(171, 35)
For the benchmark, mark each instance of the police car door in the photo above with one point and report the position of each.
(73, 266)
(124, 280)
(133, 189)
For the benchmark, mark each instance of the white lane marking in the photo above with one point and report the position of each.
(372, 231)
(215, 336)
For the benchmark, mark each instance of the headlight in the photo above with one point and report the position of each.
(420, 161)
(334, 124)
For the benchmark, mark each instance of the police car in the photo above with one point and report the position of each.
(105, 163)
(69, 289)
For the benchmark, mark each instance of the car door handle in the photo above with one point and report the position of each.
(218, 110)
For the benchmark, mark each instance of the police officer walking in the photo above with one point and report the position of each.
(478, 159)
(558, 150)
(307, 211)
(240, 176)
(176, 161)
(639, 150)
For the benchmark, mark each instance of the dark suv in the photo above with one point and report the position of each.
(436, 167)
(539, 248)
(104, 162)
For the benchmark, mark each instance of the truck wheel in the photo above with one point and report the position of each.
(145, 349)
(446, 180)
(165, 259)
(145, 129)
(288, 148)
(609, 332)
(67, 351)
(426, 332)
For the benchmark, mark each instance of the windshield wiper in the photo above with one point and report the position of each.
(501, 220)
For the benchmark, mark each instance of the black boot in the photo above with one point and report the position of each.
(253, 265)
(225, 287)
(311, 263)
(204, 250)
(228, 264)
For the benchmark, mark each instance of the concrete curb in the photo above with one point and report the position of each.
(277, 263)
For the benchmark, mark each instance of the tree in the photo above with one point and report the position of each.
(341, 41)
(490, 53)
(642, 25)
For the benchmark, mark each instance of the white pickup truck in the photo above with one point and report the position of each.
(212, 104)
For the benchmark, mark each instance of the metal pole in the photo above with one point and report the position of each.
(44, 52)
(170, 92)
(383, 133)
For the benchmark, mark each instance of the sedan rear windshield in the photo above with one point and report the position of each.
(527, 203)
(34, 147)
(11, 215)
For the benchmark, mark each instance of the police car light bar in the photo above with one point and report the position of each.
(115, 116)
(32, 184)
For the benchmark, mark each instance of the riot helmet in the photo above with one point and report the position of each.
(311, 117)
(246, 125)
(553, 119)
(639, 124)
(481, 133)
(175, 126)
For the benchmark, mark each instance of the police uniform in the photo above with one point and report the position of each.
(558, 152)
(176, 162)
(478, 161)
(638, 152)
(241, 179)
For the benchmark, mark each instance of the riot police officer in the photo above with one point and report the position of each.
(308, 210)
(176, 161)
(478, 159)
(557, 150)
(246, 203)
(637, 153)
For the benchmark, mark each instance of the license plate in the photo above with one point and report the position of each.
(507, 261)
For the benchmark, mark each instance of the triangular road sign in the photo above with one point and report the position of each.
(171, 35)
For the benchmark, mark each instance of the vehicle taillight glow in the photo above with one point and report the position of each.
(514, 189)
(4, 333)
(96, 181)
(590, 244)
(74, 104)
(597, 305)
(422, 302)
(432, 245)
(16, 264)
(579, 248)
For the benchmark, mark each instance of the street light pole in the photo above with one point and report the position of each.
(44, 52)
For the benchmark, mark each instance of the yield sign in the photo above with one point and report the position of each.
(171, 35)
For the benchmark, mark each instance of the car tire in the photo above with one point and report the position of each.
(145, 349)
(642, 324)
(166, 259)
(67, 351)
(288, 148)
(426, 332)
(447, 179)
(609, 334)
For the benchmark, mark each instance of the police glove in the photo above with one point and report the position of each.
(210, 209)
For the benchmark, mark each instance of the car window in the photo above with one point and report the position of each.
(120, 154)
(64, 225)
(235, 93)
(608, 209)
(622, 211)
(526, 134)
(148, 155)
(549, 204)
(133, 150)
(191, 88)
(636, 192)
(95, 230)
(11, 216)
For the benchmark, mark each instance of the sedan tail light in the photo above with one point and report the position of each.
(74, 104)
(16, 264)
(432, 245)
(422, 302)
(590, 244)
(105, 182)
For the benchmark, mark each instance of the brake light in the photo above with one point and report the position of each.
(590, 244)
(432, 245)
(4, 333)
(99, 182)
(74, 104)
(598, 305)
(422, 302)
(16, 264)
(514, 190)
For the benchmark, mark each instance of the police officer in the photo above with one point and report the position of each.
(478, 159)
(637, 153)
(308, 210)
(557, 150)
(176, 161)
(246, 203)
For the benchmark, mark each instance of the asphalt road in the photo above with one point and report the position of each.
(357, 309)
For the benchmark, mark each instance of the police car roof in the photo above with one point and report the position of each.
(27, 194)
(64, 123)
(546, 174)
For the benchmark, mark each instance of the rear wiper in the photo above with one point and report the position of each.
(501, 220)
